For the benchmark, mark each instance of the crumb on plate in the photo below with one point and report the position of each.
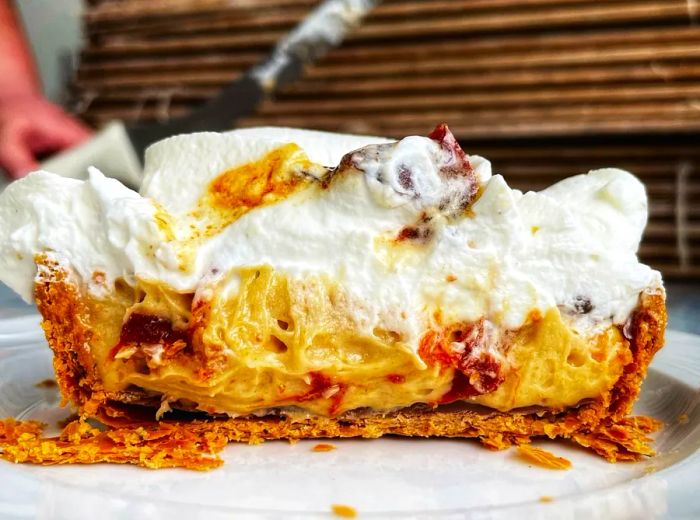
(542, 458)
(323, 447)
(344, 511)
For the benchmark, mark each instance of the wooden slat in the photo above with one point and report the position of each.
(473, 63)
(592, 125)
(155, 9)
(466, 122)
(666, 150)
(597, 75)
(214, 74)
(672, 271)
(547, 170)
(241, 19)
(480, 99)
(191, 45)
(598, 38)
(593, 13)
(650, 251)
(462, 119)
(411, 50)
(114, 11)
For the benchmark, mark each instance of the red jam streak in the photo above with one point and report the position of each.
(145, 329)
(458, 346)
(448, 142)
(323, 387)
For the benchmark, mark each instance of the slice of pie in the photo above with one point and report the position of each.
(276, 283)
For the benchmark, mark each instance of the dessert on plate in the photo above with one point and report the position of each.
(276, 283)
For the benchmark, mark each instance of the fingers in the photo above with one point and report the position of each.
(56, 131)
(33, 128)
(16, 157)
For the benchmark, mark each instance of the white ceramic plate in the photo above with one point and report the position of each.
(395, 478)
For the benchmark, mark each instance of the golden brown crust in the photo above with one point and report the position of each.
(165, 446)
(601, 425)
(66, 326)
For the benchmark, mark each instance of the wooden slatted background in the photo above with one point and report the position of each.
(544, 88)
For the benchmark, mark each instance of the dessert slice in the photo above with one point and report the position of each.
(276, 283)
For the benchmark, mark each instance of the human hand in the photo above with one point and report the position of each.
(32, 127)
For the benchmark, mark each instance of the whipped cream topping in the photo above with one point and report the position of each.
(416, 168)
(572, 245)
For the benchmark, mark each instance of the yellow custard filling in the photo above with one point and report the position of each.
(281, 342)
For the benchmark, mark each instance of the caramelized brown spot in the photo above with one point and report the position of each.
(450, 278)
(534, 316)
(247, 185)
(347, 164)
(421, 233)
(234, 192)
(46, 383)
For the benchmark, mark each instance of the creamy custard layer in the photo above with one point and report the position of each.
(281, 343)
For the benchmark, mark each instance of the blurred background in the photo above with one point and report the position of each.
(543, 88)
